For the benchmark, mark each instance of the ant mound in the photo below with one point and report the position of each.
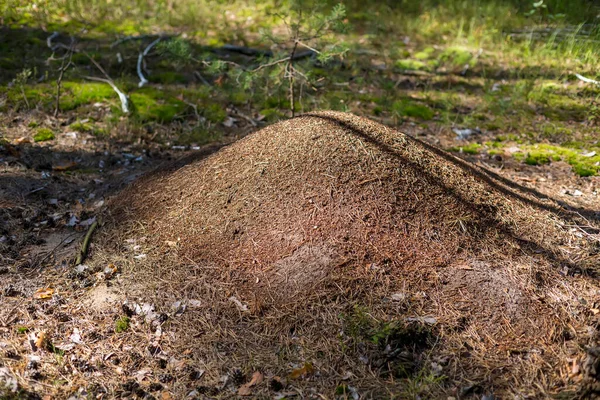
(340, 254)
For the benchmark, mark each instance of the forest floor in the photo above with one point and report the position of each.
(513, 109)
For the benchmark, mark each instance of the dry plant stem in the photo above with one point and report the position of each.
(291, 66)
(86, 244)
(63, 68)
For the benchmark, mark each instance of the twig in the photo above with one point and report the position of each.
(122, 96)
(586, 80)
(291, 76)
(143, 80)
(201, 78)
(86, 243)
(63, 68)
(49, 40)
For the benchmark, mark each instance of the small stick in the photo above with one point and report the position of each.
(86, 243)
(63, 68)
(143, 79)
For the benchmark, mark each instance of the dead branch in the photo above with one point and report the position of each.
(198, 75)
(122, 96)
(143, 79)
(586, 80)
(63, 68)
(86, 243)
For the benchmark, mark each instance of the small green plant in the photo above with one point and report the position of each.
(21, 80)
(22, 329)
(122, 324)
(43, 134)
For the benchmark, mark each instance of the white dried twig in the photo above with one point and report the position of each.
(122, 96)
(143, 79)
(586, 80)
(49, 40)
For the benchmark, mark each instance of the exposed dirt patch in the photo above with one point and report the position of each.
(103, 298)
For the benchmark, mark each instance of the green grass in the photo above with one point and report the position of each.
(43, 134)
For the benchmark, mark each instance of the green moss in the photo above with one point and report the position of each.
(541, 154)
(33, 124)
(470, 148)
(81, 127)
(456, 57)
(535, 157)
(43, 134)
(426, 54)
(122, 324)
(411, 65)
(405, 108)
(81, 93)
(153, 105)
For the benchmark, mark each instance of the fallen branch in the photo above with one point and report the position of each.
(49, 40)
(143, 79)
(586, 80)
(198, 75)
(122, 96)
(86, 244)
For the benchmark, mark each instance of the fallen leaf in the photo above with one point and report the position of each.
(306, 370)
(64, 167)
(22, 140)
(43, 293)
(41, 340)
(246, 389)
(165, 396)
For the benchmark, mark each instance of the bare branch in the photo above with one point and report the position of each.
(143, 79)
(63, 68)
(586, 80)
(122, 96)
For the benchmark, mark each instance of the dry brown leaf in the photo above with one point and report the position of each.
(246, 389)
(165, 396)
(22, 140)
(64, 167)
(306, 370)
(43, 293)
(41, 340)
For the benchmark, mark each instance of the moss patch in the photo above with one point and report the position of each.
(583, 164)
(122, 324)
(43, 134)
(406, 108)
(470, 148)
(411, 65)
